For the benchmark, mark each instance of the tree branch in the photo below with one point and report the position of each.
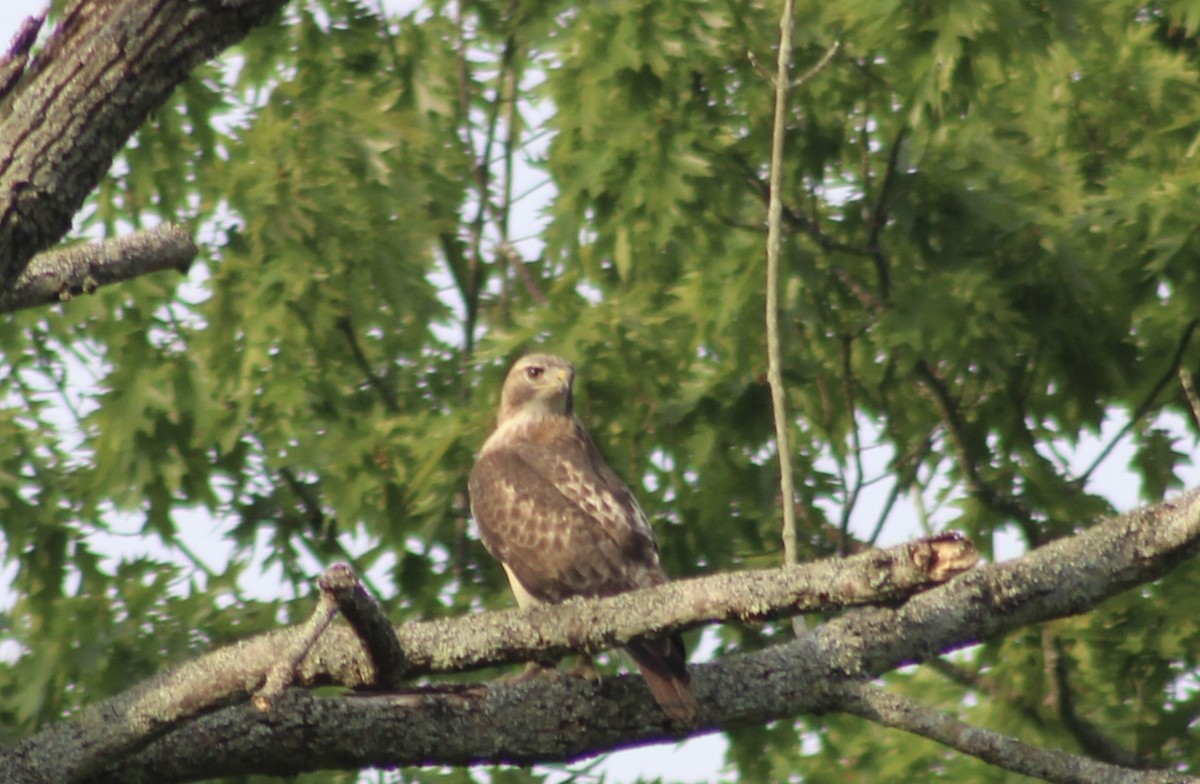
(378, 382)
(774, 249)
(69, 111)
(899, 712)
(968, 465)
(565, 718)
(1147, 405)
(59, 275)
(1086, 733)
(369, 622)
(1188, 385)
(338, 656)
(12, 65)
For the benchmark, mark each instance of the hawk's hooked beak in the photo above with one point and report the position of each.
(563, 376)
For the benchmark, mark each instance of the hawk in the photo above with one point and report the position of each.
(561, 523)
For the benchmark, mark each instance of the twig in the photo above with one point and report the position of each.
(312, 505)
(903, 481)
(377, 382)
(1090, 738)
(955, 427)
(470, 284)
(774, 248)
(902, 713)
(855, 440)
(506, 92)
(758, 66)
(507, 251)
(38, 338)
(1148, 403)
(825, 60)
(879, 216)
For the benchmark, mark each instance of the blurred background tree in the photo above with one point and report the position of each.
(991, 290)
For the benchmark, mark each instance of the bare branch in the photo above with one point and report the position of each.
(59, 275)
(774, 248)
(894, 710)
(1171, 372)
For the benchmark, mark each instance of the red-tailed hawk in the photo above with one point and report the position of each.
(560, 521)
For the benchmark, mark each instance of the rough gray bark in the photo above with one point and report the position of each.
(60, 275)
(167, 737)
(73, 750)
(68, 110)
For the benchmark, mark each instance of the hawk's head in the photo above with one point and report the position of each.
(537, 385)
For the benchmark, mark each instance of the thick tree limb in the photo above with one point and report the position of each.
(59, 275)
(338, 657)
(566, 718)
(13, 63)
(73, 107)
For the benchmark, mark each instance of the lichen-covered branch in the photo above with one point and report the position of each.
(338, 656)
(367, 619)
(566, 718)
(74, 105)
(60, 275)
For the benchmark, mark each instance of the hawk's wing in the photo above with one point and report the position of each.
(557, 517)
(563, 524)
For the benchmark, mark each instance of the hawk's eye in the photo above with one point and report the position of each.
(534, 371)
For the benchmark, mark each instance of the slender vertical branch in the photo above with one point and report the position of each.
(774, 245)
(853, 490)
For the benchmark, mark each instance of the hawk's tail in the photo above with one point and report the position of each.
(664, 666)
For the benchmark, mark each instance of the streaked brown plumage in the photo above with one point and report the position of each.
(559, 520)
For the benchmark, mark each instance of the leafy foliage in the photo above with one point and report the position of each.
(991, 260)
